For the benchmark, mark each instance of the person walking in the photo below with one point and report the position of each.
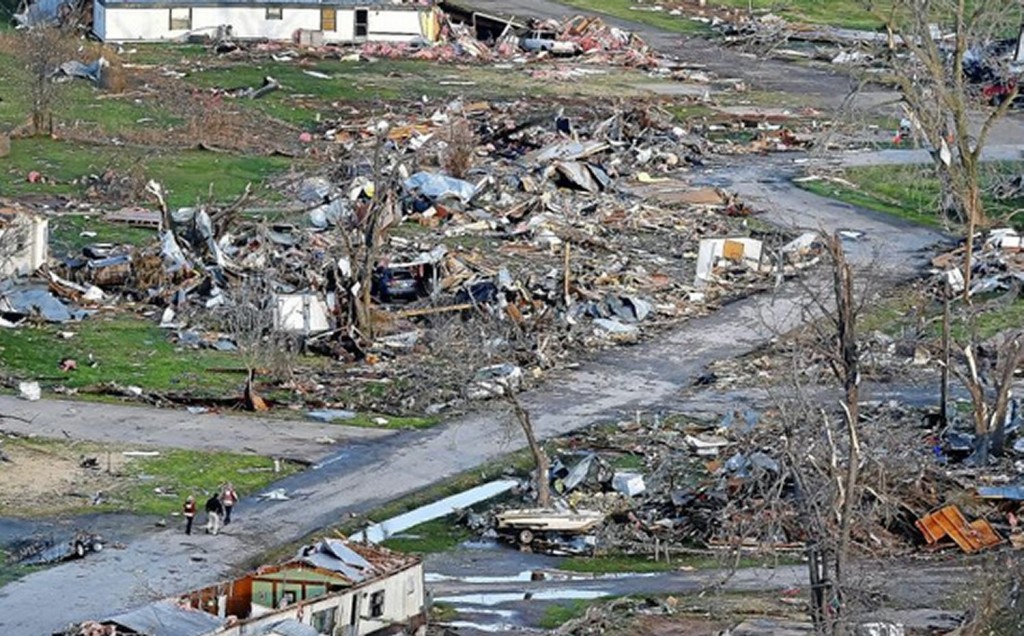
(214, 513)
(229, 498)
(189, 510)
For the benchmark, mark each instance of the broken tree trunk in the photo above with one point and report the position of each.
(539, 457)
(253, 402)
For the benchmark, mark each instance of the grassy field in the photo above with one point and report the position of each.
(158, 485)
(119, 348)
(839, 13)
(50, 479)
(439, 535)
(912, 192)
(187, 175)
(630, 10)
(560, 613)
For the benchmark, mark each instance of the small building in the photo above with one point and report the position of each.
(24, 242)
(309, 21)
(333, 588)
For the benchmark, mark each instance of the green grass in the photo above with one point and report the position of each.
(66, 233)
(839, 13)
(624, 9)
(623, 563)
(366, 420)
(912, 192)
(185, 175)
(619, 563)
(443, 613)
(303, 96)
(127, 350)
(560, 613)
(691, 112)
(179, 473)
(628, 462)
(10, 572)
(987, 322)
(438, 535)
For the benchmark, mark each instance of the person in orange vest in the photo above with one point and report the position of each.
(228, 498)
(189, 510)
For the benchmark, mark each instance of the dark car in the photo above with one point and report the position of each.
(391, 284)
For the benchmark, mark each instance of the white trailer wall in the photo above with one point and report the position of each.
(252, 22)
(393, 26)
(118, 23)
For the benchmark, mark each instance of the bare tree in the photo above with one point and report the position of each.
(376, 211)
(250, 315)
(990, 391)
(930, 73)
(44, 47)
(818, 478)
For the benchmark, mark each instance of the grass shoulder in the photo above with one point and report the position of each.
(60, 477)
(432, 537)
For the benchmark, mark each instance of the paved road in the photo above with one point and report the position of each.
(177, 428)
(364, 474)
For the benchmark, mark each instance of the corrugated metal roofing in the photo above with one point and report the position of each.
(290, 627)
(165, 618)
(334, 555)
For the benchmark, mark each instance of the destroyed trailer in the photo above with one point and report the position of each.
(46, 551)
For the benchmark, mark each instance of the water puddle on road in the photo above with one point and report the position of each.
(488, 599)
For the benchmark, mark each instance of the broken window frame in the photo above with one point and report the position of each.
(324, 621)
(173, 20)
(377, 604)
(275, 13)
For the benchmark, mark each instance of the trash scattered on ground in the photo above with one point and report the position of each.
(569, 230)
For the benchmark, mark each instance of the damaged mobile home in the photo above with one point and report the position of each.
(312, 22)
(330, 587)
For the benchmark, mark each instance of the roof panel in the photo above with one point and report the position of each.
(165, 618)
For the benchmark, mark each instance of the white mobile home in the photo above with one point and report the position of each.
(339, 21)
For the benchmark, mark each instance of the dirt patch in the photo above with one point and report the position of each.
(42, 477)
(677, 626)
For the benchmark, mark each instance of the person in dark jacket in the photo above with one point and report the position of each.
(214, 514)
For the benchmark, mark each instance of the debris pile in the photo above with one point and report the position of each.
(586, 37)
(650, 487)
(997, 265)
(534, 232)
